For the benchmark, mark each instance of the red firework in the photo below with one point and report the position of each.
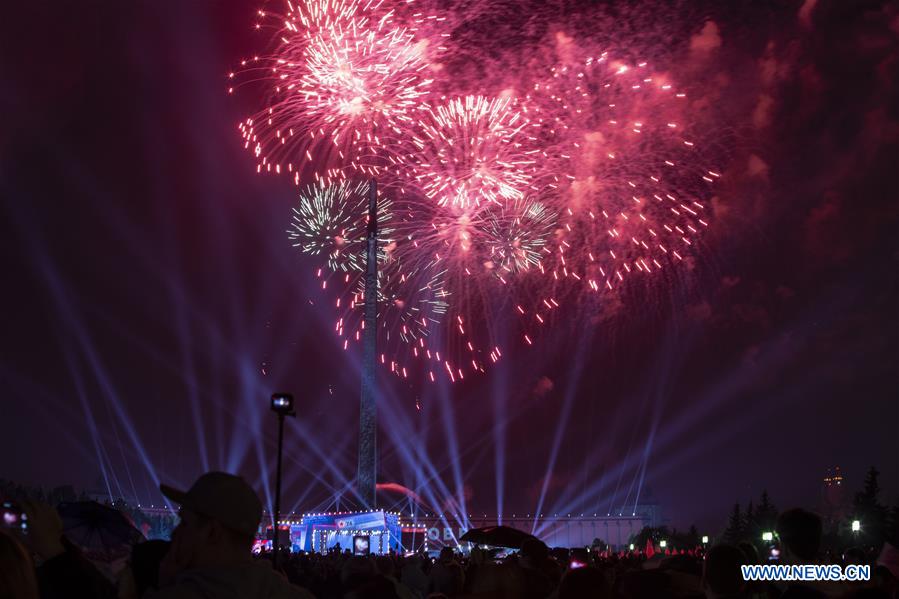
(634, 198)
(472, 151)
(346, 79)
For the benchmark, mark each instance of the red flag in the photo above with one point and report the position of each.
(650, 550)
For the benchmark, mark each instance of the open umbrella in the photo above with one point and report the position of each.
(103, 533)
(497, 536)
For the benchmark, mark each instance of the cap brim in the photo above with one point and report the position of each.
(175, 495)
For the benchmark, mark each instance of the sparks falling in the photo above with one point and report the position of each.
(345, 79)
(330, 221)
(471, 152)
(503, 206)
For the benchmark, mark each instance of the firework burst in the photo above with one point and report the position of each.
(412, 304)
(635, 198)
(471, 151)
(517, 235)
(330, 221)
(346, 79)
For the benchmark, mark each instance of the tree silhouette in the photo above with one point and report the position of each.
(598, 545)
(869, 511)
(766, 513)
(692, 539)
(893, 526)
(750, 527)
(648, 532)
(734, 531)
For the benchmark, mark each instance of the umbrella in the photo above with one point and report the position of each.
(498, 536)
(103, 533)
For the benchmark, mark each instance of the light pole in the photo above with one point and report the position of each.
(282, 405)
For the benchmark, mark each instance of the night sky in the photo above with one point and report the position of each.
(152, 301)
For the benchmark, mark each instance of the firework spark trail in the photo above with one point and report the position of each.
(412, 303)
(517, 234)
(330, 220)
(346, 78)
(635, 200)
(471, 151)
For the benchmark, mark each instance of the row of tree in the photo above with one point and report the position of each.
(674, 539)
(877, 522)
(749, 524)
(744, 525)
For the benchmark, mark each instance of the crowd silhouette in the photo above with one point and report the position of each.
(209, 556)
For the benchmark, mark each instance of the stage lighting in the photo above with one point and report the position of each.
(767, 536)
(282, 404)
(856, 526)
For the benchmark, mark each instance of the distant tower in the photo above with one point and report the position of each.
(833, 502)
(366, 475)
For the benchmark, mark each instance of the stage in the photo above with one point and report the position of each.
(363, 532)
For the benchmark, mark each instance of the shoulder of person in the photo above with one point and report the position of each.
(296, 592)
(171, 592)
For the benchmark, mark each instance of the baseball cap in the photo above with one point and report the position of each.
(223, 497)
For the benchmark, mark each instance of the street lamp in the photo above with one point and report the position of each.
(282, 405)
(663, 543)
(705, 539)
(856, 526)
(767, 536)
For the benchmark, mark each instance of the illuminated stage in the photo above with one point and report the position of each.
(377, 532)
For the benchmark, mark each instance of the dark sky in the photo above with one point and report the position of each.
(148, 281)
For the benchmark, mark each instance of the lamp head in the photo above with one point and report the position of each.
(282, 404)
